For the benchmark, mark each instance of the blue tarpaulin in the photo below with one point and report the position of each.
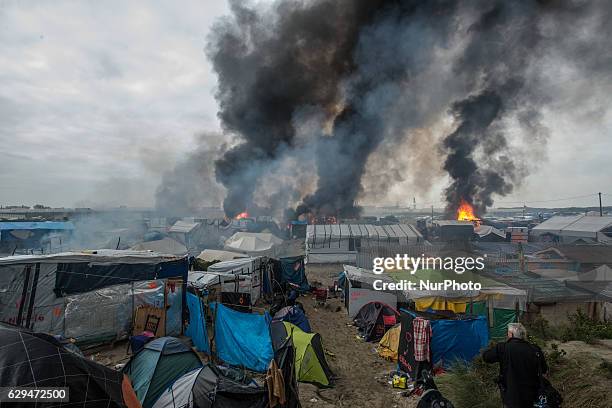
(453, 340)
(37, 225)
(197, 324)
(243, 339)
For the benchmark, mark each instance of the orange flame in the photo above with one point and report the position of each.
(465, 212)
(242, 215)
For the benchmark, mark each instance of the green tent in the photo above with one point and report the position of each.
(310, 363)
(157, 366)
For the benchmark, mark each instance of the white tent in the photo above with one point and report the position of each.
(586, 228)
(210, 255)
(162, 246)
(252, 243)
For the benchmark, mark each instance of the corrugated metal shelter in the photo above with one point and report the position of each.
(189, 233)
(339, 243)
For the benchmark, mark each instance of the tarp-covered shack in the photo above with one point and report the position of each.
(91, 296)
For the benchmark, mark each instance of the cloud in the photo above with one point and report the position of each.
(92, 92)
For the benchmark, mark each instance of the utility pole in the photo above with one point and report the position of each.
(600, 207)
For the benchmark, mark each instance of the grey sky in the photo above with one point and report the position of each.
(97, 99)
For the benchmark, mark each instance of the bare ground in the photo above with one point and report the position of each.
(362, 375)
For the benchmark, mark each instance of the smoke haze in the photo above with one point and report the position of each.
(329, 102)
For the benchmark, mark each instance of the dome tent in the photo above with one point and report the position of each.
(374, 319)
(389, 344)
(208, 387)
(310, 363)
(157, 366)
(30, 358)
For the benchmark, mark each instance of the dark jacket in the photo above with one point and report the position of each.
(518, 369)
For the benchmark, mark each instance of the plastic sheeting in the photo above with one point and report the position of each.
(454, 340)
(197, 324)
(243, 339)
(106, 314)
(27, 298)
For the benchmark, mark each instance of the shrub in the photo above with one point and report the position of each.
(583, 328)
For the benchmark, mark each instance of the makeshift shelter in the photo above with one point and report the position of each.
(575, 228)
(553, 299)
(358, 289)
(211, 255)
(453, 230)
(162, 246)
(209, 387)
(189, 233)
(488, 233)
(339, 243)
(291, 270)
(157, 366)
(495, 300)
(250, 275)
(294, 315)
(453, 338)
(310, 363)
(27, 235)
(389, 344)
(242, 339)
(34, 359)
(253, 243)
(91, 296)
(374, 319)
(577, 258)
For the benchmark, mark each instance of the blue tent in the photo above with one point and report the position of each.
(157, 366)
(243, 339)
(294, 315)
(197, 324)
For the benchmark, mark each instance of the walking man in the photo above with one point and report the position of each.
(520, 366)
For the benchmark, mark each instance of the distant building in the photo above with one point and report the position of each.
(575, 229)
(579, 258)
(28, 236)
(453, 230)
(339, 243)
(189, 233)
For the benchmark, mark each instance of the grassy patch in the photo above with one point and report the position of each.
(580, 380)
(471, 386)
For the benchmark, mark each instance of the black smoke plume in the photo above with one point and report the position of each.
(362, 69)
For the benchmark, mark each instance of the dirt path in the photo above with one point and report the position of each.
(362, 374)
